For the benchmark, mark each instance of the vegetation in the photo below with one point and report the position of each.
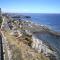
(16, 53)
(0, 21)
(20, 46)
(21, 51)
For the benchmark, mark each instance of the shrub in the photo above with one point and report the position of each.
(0, 21)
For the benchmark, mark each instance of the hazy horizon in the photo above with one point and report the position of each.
(30, 6)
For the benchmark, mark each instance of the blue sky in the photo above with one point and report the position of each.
(30, 6)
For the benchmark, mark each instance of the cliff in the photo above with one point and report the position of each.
(22, 44)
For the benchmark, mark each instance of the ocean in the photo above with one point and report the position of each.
(50, 20)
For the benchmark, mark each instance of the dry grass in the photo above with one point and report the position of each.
(21, 51)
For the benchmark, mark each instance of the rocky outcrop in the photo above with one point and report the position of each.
(41, 47)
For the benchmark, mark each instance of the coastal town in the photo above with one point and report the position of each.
(20, 42)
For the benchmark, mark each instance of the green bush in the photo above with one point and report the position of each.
(0, 21)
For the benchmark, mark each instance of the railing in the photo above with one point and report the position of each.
(1, 53)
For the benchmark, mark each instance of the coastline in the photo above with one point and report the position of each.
(41, 29)
(52, 32)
